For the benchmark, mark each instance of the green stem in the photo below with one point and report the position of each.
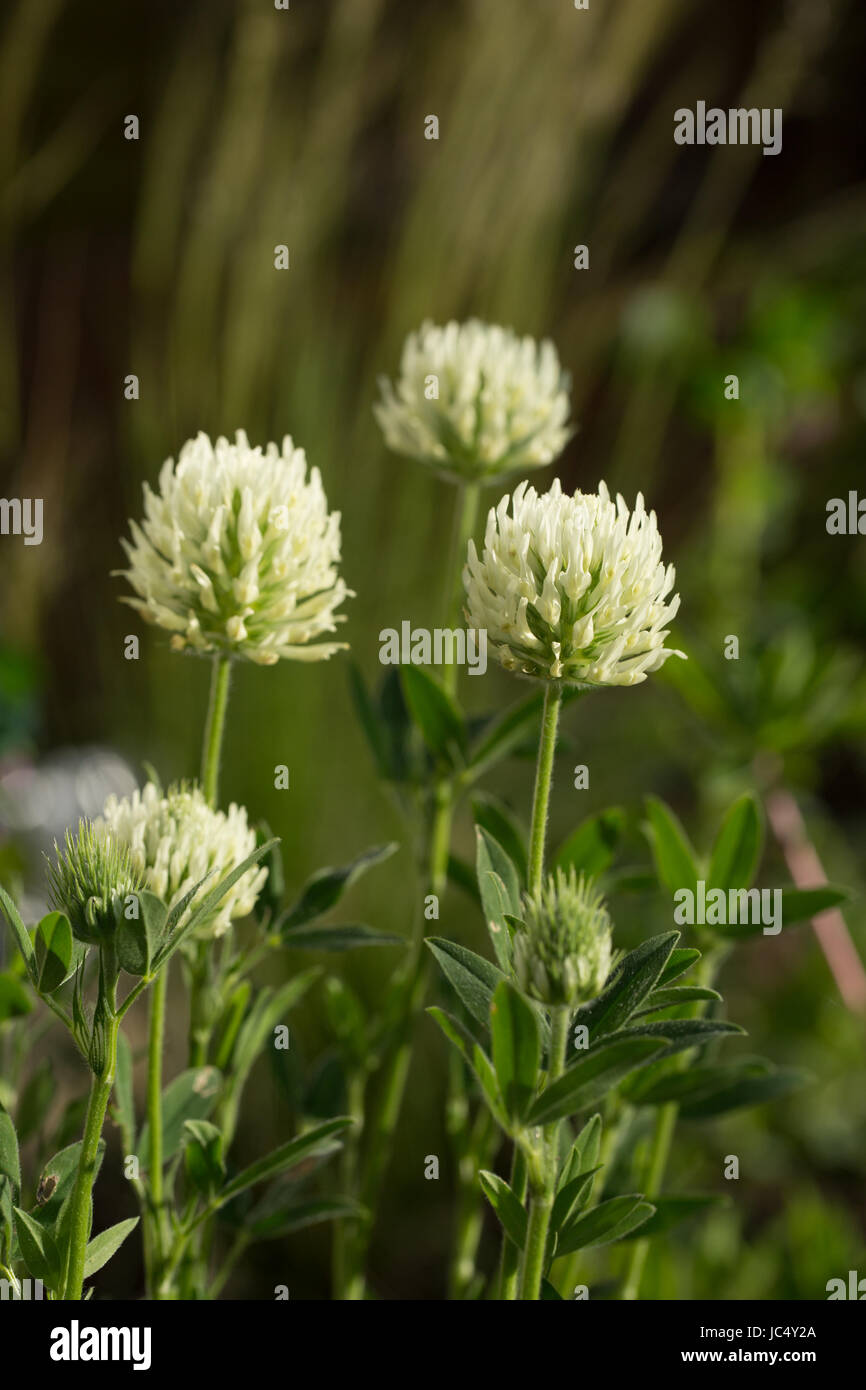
(544, 1185)
(215, 728)
(154, 1119)
(238, 1246)
(543, 781)
(536, 1245)
(440, 835)
(465, 517)
(214, 733)
(100, 1092)
(473, 1146)
(343, 1233)
(663, 1133)
(509, 1269)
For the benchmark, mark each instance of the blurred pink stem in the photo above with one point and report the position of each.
(807, 871)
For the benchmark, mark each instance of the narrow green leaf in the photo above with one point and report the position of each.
(436, 715)
(679, 963)
(288, 1156)
(680, 1034)
(737, 851)
(190, 1096)
(591, 847)
(492, 857)
(269, 1008)
(589, 1079)
(39, 1250)
(298, 1215)
(139, 938)
(571, 1198)
(797, 905)
(473, 978)
(507, 733)
(57, 1180)
(673, 1211)
(21, 934)
(100, 1250)
(205, 909)
(10, 1162)
(7, 1221)
(584, 1152)
(632, 980)
(803, 904)
(325, 888)
(510, 1211)
(499, 888)
(676, 995)
(54, 951)
(609, 1221)
(476, 1060)
(500, 823)
(675, 859)
(756, 1090)
(344, 936)
(203, 1155)
(549, 1294)
(516, 1049)
(123, 1097)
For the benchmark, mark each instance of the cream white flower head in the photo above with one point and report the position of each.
(474, 401)
(175, 839)
(572, 588)
(238, 553)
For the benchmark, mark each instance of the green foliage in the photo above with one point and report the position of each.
(324, 890)
(191, 1095)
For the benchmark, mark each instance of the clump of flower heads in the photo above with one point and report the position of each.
(474, 401)
(572, 588)
(175, 839)
(238, 553)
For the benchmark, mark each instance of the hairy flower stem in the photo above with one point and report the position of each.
(215, 728)
(543, 781)
(157, 1244)
(509, 1269)
(100, 1092)
(543, 1173)
(465, 517)
(214, 735)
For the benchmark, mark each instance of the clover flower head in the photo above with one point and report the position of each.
(91, 873)
(474, 401)
(562, 952)
(572, 589)
(175, 839)
(238, 553)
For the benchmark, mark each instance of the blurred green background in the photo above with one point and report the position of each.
(305, 127)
